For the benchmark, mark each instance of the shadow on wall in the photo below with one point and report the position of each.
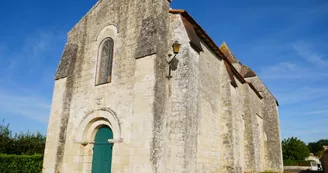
(295, 171)
(302, 171)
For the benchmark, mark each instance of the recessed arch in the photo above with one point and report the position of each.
(92, 121)
(109, 30)
(103, 69)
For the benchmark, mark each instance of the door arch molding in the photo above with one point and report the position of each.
(92, 121)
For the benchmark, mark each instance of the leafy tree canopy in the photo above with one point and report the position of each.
(317, 147)
(314, 147)
(23, 143)
(294, 149)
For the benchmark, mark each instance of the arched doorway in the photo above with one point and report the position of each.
(102, 151)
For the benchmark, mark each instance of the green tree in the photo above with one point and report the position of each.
(294, 149)
(29, 143)
(5, 137)
(316, 147)
(323, 141)
(24, 143)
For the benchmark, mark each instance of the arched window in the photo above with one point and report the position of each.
(105, 60)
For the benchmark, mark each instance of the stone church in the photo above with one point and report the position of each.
(141, 88)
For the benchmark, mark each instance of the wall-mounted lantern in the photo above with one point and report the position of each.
(176, 47)
(173, 62)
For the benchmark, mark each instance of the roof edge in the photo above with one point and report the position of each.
(177, 11)
(214, 47)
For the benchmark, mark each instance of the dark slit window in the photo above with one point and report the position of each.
(105, 60)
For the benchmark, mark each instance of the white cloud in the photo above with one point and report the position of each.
(3, 49)
(39, 44)
(316, 112)
(308, 130)
(287, 70)
(29, 105)
(32, 55)
(300, 95)
(305, 51)
(23, 70)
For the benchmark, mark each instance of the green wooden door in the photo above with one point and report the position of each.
(102, 151)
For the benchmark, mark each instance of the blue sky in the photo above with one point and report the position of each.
(285, 42)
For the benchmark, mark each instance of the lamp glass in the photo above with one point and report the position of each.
(176, 47)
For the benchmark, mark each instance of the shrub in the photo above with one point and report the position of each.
(21, 144)
(294, 149)
(21, 163)
(297, 163)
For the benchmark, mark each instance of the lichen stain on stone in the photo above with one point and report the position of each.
(148, 38)
(66, 61)
(74, 68)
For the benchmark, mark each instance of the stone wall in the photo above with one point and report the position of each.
(266, 132)
(238, 126)
(181, 122)
(229, 121)
(133, 104)
(209, 153)
(196, 121)
(252, 135)
(272, 145)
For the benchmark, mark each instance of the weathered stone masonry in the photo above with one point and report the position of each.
(214, 115)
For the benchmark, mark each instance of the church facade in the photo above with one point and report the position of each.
(125, 101)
